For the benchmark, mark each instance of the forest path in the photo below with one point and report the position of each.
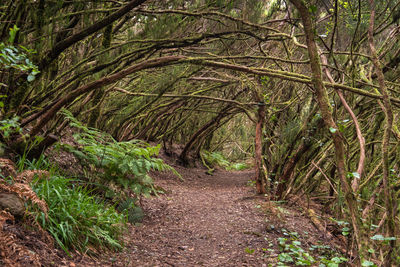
(203, 221)
(212, 221)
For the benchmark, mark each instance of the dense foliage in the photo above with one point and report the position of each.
(125, 164)
(309, 88)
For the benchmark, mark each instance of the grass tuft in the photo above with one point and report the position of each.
(77, 220)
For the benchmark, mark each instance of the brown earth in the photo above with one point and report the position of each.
(212, 221)
(202, 221)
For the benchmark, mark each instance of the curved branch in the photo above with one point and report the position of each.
(391, 222)
(158, 62)
(64, 44)
(360, 137)
(188, 96)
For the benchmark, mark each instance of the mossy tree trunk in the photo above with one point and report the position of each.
(326, 112)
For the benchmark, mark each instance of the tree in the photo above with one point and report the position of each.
(292, 82)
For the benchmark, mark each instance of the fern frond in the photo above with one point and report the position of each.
(28, 175)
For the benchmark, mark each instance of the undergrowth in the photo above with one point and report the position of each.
(124, 164)
(212, 159)
(76, 219)
(79, 215)
(291, 252)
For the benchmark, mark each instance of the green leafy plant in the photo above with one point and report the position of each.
(345, 229)
(76, 219)
(211, 159)
(367, 263)
(9, 127)
(127, 164)
(237, 166)
(17, 57)
(215, 159)
(333, 262)
(292, 252)
(40, 163)
(249, 251)
(382, 238)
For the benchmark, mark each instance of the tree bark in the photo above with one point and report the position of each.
(184, 156)
(260, 175)
(289, 168)
(54, 108)
(360, 137)
(326, 112)
(391, 222)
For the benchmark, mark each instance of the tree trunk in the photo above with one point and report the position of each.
(260, 175)
(391, 211)
(184, 156)
(326, 112)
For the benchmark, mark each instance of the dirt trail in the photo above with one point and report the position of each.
(209, 221)
(204, 221)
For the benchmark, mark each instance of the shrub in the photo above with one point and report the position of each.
(238, 166)
(217, 159)
(127, 164)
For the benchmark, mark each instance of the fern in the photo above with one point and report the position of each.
(125, 163)
(217, 159)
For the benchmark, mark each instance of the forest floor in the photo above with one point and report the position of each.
(212, 220)
(203, 220)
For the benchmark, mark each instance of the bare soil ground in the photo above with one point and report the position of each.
(201, 222)
(211, 221)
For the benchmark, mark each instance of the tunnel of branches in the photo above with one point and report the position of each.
(310, 90)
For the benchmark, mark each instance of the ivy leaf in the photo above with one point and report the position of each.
(377, 237)
(366, 263)
(31, 77)
(285, 257)
(345, 231)
(332, 130)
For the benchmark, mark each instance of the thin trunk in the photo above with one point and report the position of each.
(326, 112)
(260, 175)
(391, 224)
(289, 169)
(360, 137)
(184, 156)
